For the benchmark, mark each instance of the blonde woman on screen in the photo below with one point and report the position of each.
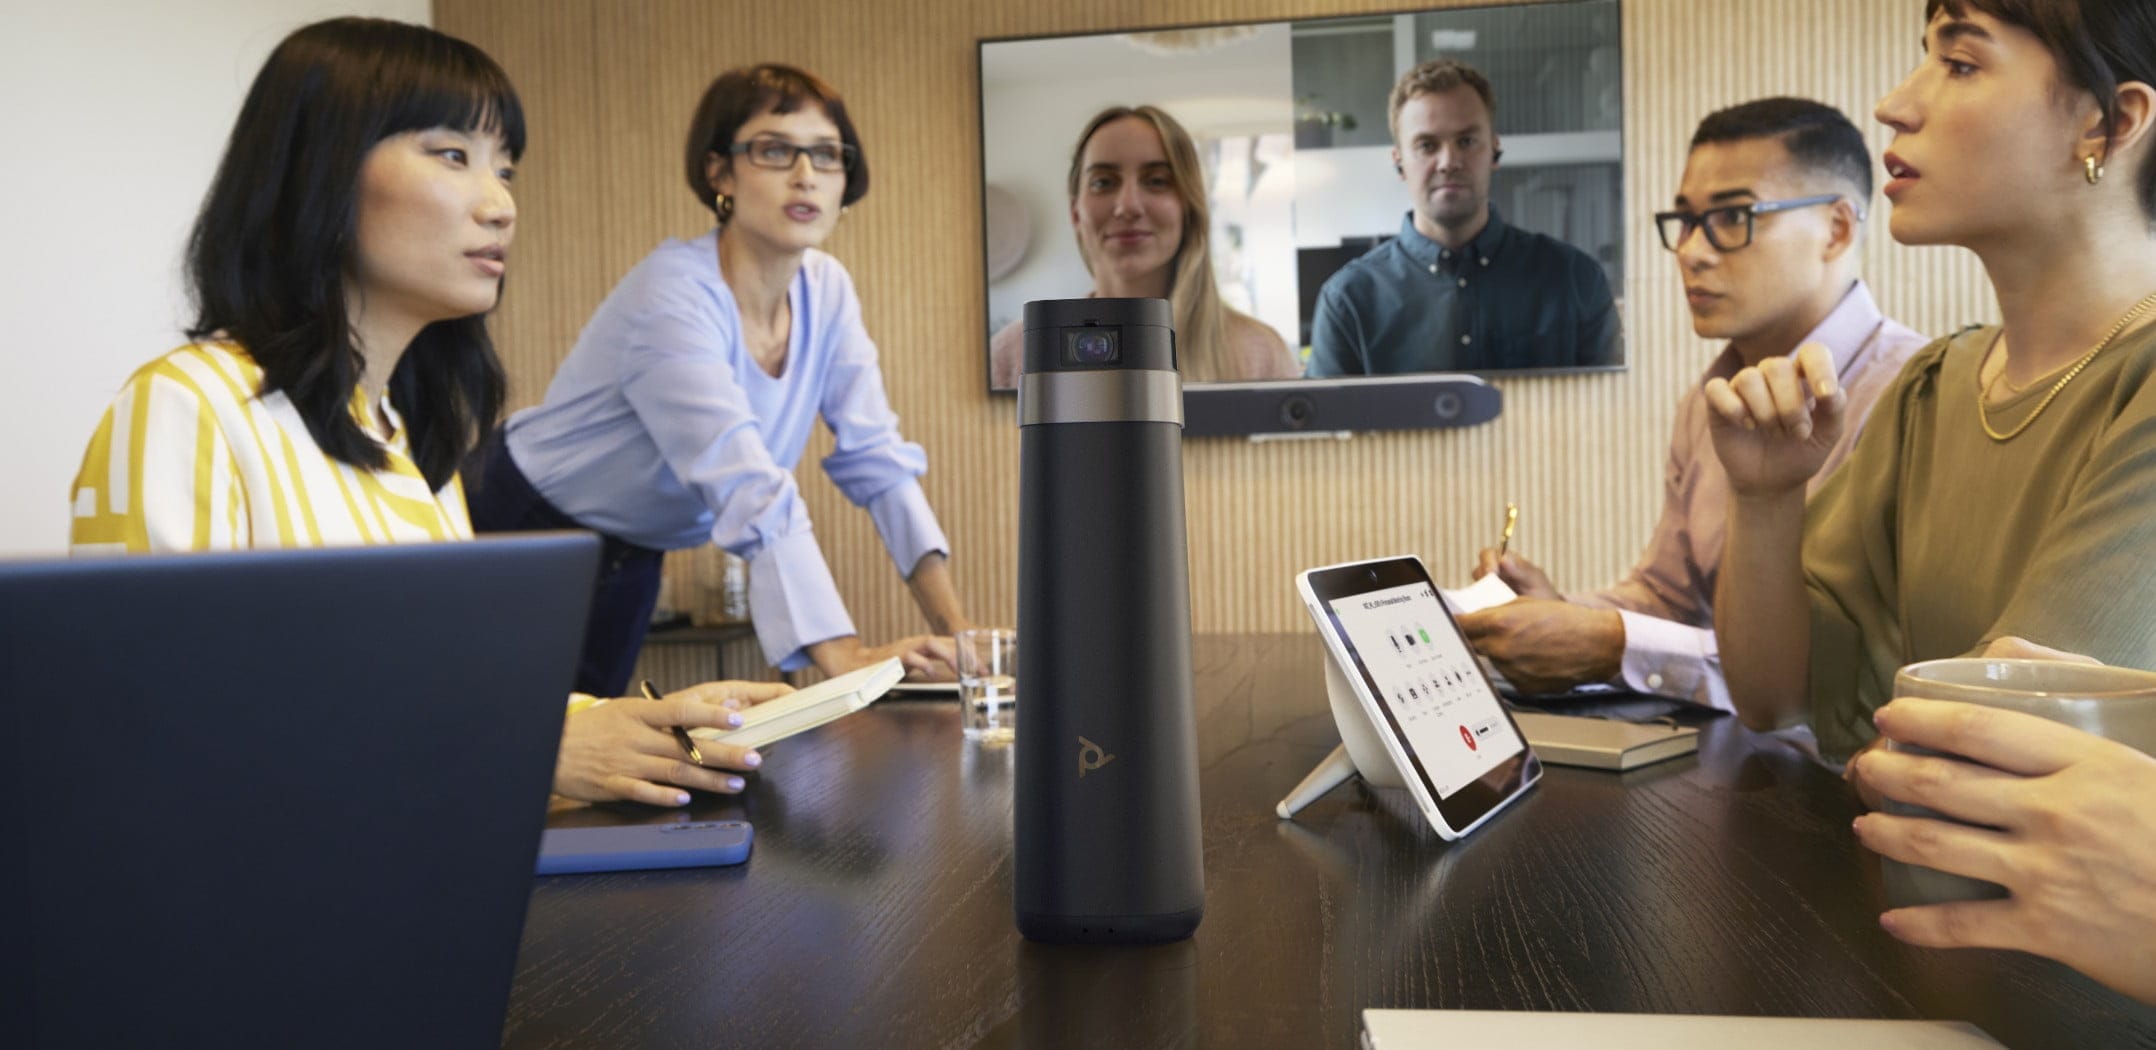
(1138, 208)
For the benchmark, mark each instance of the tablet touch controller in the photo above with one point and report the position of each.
(1414, 660)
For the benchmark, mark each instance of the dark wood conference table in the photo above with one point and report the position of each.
(875, 910)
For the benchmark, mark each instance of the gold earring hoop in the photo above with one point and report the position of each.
(724, 206)
(2091, 170)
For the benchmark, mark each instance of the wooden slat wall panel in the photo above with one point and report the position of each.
(675, 665)
(610, 87)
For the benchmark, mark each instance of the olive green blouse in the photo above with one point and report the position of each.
(1933, 539)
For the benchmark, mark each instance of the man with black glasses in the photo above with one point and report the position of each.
(1765, 231)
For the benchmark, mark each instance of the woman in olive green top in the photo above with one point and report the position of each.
(2007, 485)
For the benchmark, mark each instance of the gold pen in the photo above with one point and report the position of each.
(1512, 518)
(681, 736)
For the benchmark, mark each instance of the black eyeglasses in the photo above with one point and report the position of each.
(770, 151)
(1729, 228)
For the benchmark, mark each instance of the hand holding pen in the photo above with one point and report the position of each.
(688, 743)
(1525, 577)
(630, 749)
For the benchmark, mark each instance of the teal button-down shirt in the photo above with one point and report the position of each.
(1508, 299)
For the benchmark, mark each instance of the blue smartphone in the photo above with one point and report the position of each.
(640, 847)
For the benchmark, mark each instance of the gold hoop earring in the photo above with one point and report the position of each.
(2091, 170)
(724, 206)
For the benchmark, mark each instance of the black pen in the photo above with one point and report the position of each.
(681, 736)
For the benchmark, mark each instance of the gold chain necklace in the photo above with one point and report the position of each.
(2013, 388)
(1984, 396)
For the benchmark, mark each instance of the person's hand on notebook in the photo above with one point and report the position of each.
(2066, 827)
(1524, 577)
(926, 657)
(1547, 646)
(626, 748)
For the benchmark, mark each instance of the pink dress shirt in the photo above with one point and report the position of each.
(1667, 600)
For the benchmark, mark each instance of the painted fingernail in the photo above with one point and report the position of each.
(681, 798)
(732, 784)
(733, 721)
(752, 760)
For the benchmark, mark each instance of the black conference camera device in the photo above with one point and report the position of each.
(1105, 809)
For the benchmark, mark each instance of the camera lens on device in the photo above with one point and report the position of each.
(1093, 348)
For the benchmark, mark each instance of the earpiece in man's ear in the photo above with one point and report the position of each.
(1497, 156)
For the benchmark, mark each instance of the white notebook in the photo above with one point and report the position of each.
(805, 709)
(1519, 1030)
(1600, 743)
(1485, 593)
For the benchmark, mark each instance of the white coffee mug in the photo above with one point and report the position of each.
(2118, 703)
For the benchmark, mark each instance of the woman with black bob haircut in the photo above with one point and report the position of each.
(679, 415)
(287, 194)
(353, 239)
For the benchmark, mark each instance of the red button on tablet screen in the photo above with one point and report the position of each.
(1468, 737)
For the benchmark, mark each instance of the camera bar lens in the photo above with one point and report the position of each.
(1093, 348)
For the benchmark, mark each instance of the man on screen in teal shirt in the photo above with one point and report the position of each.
(1459, 289)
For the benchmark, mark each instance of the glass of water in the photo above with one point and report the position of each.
(988, 683)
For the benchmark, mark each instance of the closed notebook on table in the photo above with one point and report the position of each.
(1522, 1030)
(1601, 743)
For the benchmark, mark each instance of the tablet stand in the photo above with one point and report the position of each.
(1361, 750)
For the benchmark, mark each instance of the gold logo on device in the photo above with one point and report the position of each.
(1091, 757)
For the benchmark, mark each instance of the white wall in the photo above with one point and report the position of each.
(117, 113)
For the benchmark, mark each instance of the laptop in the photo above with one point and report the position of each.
(284, 798)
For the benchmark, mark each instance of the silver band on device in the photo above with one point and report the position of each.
(1107, 396)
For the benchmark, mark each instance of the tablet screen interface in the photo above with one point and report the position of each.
(1425, 676)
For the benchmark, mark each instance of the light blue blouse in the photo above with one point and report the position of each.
(661, 429)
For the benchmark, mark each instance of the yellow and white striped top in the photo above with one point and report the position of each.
(192, 456)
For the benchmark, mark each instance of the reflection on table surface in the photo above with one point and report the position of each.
(876, 911)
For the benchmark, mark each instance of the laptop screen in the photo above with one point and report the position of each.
(280, 798)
